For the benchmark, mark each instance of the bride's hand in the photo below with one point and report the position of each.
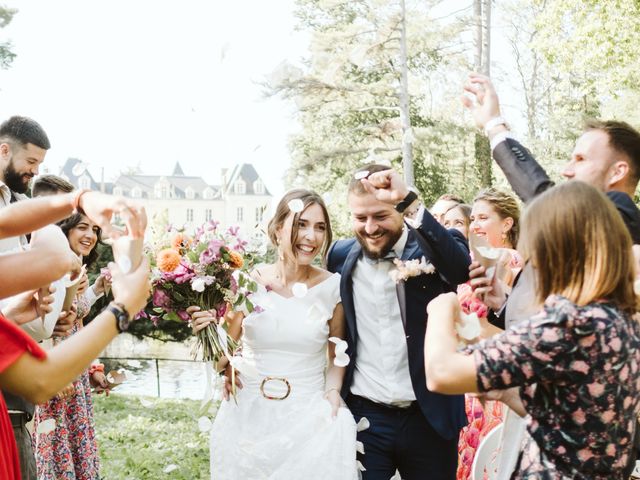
(226, 387)
(334, 398)
(200, 319)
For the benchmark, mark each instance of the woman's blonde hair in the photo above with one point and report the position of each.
(307, 197)
(506, 206)
(579, 246)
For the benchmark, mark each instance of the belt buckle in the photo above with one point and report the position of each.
(272, 379)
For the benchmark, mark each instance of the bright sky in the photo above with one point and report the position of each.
(150, 82)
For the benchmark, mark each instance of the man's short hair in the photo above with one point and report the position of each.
(450, 197)
(624, 139)
(355, 185)
(50, 185)
(23, 130)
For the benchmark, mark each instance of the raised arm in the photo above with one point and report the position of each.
(39, 380)
(446, 249)
(525, 175)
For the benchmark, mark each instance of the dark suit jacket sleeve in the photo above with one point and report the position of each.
(446, 249)
(525, 174)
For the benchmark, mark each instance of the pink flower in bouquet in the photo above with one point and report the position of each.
(183, 274)
(184, 316)
(233, 230)
(221, 310)
(140, 314)
(212, 225)
(154, 319)
(240, 246)
(160, 298)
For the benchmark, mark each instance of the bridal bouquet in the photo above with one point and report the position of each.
(208, 270)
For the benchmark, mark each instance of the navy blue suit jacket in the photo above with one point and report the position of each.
(448, 252)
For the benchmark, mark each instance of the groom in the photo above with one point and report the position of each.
(411, 429)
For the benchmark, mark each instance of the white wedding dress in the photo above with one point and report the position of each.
(296, 437)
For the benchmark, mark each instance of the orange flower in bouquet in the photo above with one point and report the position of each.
(181, 241)
(168, 260)
(235, 259)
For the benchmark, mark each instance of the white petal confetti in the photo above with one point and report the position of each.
(360, 466)
(170, 468)
(78, 169)
(361, 175)
(360, 447)
(204, 424)
(488, 252)
(244, 367)
(327, 198)
(341, 359)
(145, 403)
(47, 426)
(396, 476)
(363, 424)
(134, 364)
(296, 205)
(125, 264)
(468, 327)
(299, 290)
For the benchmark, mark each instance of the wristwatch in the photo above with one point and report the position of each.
(123, 319)
(406, 201)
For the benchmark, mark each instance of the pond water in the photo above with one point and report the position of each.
(155, 368)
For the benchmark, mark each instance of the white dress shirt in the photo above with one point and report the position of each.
(382, 361)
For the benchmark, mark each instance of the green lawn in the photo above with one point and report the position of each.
(139, 442)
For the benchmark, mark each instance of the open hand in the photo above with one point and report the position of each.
(486, 105)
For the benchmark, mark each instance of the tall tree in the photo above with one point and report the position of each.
(6, 48)
(351, 91)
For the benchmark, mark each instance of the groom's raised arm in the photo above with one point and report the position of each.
(445, 249)
(525, 175)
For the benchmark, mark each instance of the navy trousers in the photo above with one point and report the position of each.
(402, 439)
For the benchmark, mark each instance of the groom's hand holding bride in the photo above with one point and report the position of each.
(335, 400)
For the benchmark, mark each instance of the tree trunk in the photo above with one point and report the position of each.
(405, 118)
(483, 50)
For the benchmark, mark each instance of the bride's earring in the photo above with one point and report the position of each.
(280, 252)
(504, 238)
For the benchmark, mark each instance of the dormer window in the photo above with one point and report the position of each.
(117, 191)
(240, 188)
(84, 182)
(161, 189)
(189, 193)
(136, 192)
(207, 194)
(258, 187)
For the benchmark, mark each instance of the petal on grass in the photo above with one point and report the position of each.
(170, 468)
(145, 403)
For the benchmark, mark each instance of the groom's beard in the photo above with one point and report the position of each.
(378, 252)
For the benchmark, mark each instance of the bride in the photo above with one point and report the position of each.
(289, 421)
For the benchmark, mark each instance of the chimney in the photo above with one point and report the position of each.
(223, 175)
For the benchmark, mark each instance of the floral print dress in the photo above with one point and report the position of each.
(70, 451)
(578, 372)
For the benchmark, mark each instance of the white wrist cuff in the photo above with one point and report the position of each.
(493, 123)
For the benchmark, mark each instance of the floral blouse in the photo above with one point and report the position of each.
(578, 369)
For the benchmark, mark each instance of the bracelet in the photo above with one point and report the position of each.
(76, 199)
(98, 367)
(493, 123)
